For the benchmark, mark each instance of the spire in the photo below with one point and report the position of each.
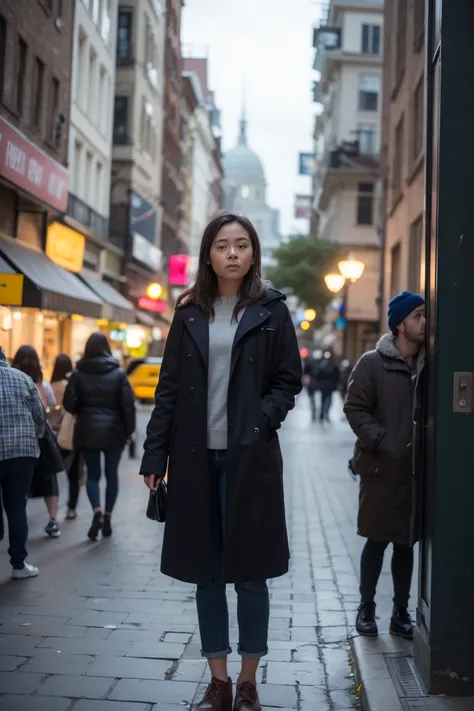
(243, 121)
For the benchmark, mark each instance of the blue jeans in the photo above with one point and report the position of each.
(94, 470)
(15, 480)
(253, 604)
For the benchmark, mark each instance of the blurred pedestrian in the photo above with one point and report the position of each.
(327, 376)
(21, 425)
(310, 383)
(44, 484)
(382, 405)
(230, 374)
(100, 396)
(72, 458)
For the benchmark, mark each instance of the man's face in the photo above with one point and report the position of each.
(414, 326)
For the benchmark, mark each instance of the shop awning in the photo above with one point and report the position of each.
(48, 286)
(147, 319)
(5, 268)
(116, 307)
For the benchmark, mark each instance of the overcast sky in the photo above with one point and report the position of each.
(266, 46)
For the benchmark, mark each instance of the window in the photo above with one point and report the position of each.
(398, 161)
(369, 89)
(103, 100)
(105, 24)
(401, 40)
(147, 130)
(365, 204)
(20, 87)
(81, 72)
(92, 98)
(414, 264)
(96, 11)
(121, 119)
(371, 39)
(418, 119)
(418, 24)
(89, 188)
(37, 93)
(395, 266)
(367, 138)
(77, 173)
(53, 112)
(3, 46)
(151, 55)
(98, 187)
(124, 35)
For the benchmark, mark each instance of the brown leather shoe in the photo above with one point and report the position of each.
(246, 697)
(218, 696)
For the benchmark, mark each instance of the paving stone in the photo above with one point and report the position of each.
(159, 650)
(278, 696)
(331, 619)
(307, 653)
(129, 668)
(164, 692)
(304, 673)
(33, 703)
(86, 705)
(86, 646)
(179, 637)
(49, 662)
(191, 670)
(9, 663)
(19, 683)
(97, 633)
(312, 699)
(136, 635)
(41, 627)
(75, 686)
(305, 620)
(343, 700)
(19, 645)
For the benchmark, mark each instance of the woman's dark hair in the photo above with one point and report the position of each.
(97, 345)
(27, 360)
(62, 368)
(204, 291)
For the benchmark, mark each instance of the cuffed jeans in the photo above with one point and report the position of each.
(371, 566)
(15, 480)
(112, 461)
(253, 604)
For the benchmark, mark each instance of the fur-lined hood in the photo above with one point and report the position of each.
(387, 347)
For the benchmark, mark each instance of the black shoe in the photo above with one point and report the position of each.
(106, 526)
(365, 623)
(401, 623)
(96, 525)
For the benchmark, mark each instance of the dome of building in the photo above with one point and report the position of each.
(241, 164)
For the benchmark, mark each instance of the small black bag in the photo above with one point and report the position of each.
(158, 503)
(50, 460)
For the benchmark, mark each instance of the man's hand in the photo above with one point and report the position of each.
(152, 481)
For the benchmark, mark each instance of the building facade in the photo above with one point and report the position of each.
(245, 193)
(347, 142)
(136, 192)
(403, 147)
(171, 166)
(39, 294)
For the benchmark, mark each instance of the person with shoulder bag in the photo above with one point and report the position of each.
(230, 374)
(22, 424)
(100, 397)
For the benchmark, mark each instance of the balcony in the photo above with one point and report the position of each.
(351, 159)
(86, 216)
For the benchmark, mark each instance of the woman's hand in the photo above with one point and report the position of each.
(152, 481)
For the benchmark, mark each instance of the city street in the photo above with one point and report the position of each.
(101, 629)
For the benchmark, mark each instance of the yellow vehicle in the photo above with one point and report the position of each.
(144, 374)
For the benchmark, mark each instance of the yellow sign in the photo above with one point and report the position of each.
(11, 289)
(65, 247)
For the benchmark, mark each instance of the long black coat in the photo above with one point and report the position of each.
(383, 407)
(265, 377)
(99, 394)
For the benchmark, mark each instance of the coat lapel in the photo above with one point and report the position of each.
(254, 316)
(198, 327)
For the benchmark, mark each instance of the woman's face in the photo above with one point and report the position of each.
(231, 254)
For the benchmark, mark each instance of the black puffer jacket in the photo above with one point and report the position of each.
(99, 394)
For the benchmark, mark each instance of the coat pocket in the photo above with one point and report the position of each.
(366, 464)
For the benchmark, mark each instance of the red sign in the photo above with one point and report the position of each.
(303, 205)
(157, 305)
(178, 269)
(27, 166)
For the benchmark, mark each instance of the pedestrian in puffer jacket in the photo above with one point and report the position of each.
(100, 396)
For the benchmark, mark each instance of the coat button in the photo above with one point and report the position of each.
(256, 430)
(193, 450)
(250, 360)
(191, 389)
(191, 319)
(189, 356)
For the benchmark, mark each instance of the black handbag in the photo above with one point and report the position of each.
(158, 503)
(50, 461)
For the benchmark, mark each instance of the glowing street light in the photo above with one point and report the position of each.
(310, 314)
(334, 282)
(154, 290)
(351, 268)
(305, 325)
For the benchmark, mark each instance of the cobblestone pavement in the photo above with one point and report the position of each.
(102, 630)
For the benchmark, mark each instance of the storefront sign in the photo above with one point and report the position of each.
(143, 218)
(11, 289)
(179, 269)
(306, 163)
(30, 169)
(65, 247)
(145, 252)
(303, 207)
(157, 305)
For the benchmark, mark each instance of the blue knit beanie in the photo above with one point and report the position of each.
(402, 306)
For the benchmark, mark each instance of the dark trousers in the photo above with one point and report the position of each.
(253, 604)
(312, 402)
(94, 471)
(15, 480)
(371, 566)
(326, 402)
(72, 460)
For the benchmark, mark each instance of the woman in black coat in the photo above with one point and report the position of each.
(99, 395)
(230, 374)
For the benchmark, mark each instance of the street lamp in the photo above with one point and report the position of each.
(310, 314)
(334, 282)
(351, 268)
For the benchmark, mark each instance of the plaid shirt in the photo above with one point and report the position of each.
(22, 418)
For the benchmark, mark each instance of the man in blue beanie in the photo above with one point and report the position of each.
(383, 406)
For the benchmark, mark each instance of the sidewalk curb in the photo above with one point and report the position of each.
(377, 689)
